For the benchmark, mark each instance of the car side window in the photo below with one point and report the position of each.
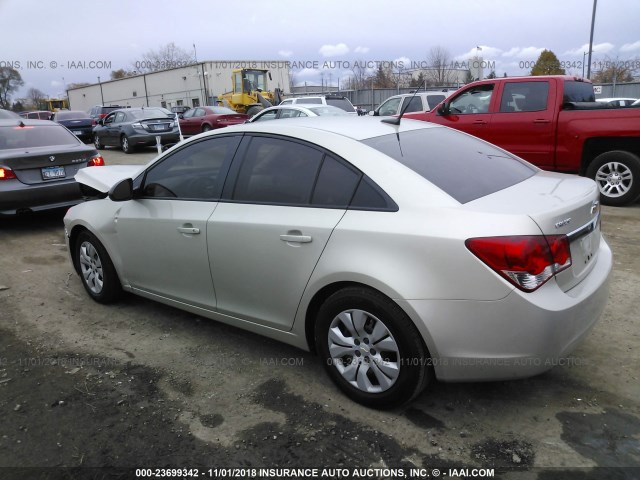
(277, 171)
(199, 112)
(336, 184)
(472, 100)
(270, 115)
(434, 100)
(412, 104)
(524, 97)
(195, 172)
(109, 119)
(120, 117)
(287, 102)
(289, 113)
(188, 113)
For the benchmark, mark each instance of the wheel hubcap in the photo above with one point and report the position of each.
(614, 179)
(91, 267)
(363, 350)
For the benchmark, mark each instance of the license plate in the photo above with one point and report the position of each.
(159, 127)
(586, 243)
(52, 172)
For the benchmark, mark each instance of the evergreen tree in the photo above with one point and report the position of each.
(547, 64)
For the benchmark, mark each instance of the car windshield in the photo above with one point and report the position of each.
(462, 166)
(70, 115)
(150, 113)
(35, 136)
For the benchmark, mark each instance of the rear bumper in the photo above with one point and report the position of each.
(149, 139)
(16, 197)
(519, 336)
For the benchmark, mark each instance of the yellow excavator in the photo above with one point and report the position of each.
(250, 92)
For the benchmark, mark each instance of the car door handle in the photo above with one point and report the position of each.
(295, 238)
(480, 122)
(189, 230)
(542, 120)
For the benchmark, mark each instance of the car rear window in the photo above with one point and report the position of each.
(149, 113)
(310, 100)
(462, 166)
(342, 103)
(578, 92)
(70, 115)
(35, 136)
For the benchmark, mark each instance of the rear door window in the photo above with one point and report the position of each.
(524, 97)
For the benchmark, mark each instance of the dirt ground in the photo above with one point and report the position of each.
(93, 391)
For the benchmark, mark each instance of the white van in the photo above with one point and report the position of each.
(419, 102)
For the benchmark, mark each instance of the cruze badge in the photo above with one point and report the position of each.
(564, 222)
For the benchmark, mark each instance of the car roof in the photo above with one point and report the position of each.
(357, 128)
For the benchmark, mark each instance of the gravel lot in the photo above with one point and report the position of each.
(142, 385)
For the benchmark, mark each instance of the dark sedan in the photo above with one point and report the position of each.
(133, 127)
(203, 119)
(80, 123)
(38, 161)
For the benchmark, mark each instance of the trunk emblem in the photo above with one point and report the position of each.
(564, 222)
(52, 158)
(594, 206)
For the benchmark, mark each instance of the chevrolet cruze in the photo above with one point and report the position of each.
(399, 253)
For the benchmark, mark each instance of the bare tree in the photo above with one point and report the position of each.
(168, 56)
(439, 71)
(121, 73)
(615, 71)
(360, 79)
(36, 97)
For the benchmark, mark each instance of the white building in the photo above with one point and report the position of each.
(194, 85)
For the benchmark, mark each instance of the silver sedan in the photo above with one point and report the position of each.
(399, 253)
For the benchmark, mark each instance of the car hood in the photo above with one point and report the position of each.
(103, 178)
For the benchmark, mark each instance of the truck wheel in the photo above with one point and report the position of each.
(253, 110)
(617, 174)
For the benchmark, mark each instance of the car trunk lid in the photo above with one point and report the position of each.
(563, 205)
(47, 164)
(107, 176)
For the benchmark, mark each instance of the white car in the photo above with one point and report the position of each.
(281, 112)
(617, 102)
(334, 100)
(410, 102)
(398, 253)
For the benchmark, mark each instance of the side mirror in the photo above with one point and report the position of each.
(122, 191)
(443, 109)
(180, 115)
(101, 122)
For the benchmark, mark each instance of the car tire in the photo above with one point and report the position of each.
(97, 273)
(97, 143)
(371, 349)
(206, 128)
(617, 174)
(251, 111)
(125, 144)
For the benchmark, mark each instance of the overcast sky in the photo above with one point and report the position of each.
(56, 43)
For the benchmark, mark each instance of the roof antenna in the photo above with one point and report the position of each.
(396, 120)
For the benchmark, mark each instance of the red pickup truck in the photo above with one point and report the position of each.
(554, 123)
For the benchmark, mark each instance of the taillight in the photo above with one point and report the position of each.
(6, 173)
(96, 161)
(525, 261)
